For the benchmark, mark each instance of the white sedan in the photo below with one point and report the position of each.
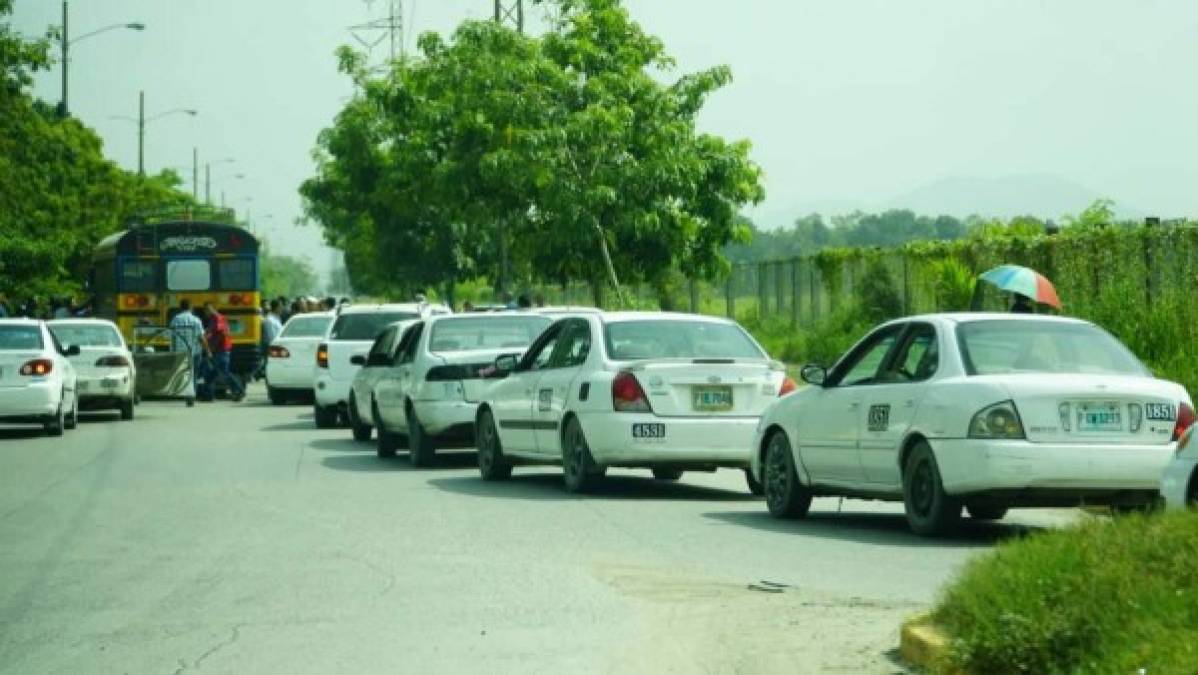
(290, 356)
(981, 411)
(37, 380)
(441, 369)
(666, 392)
(371, 367)
(104, 372)
(1179, 485)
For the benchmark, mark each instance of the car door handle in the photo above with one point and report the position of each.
(854, 405)
(909, 403)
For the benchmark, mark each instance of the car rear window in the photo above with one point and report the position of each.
(366, 326)
(20, 337)
(494, 332)
(633, 340)
(1015, 346)
(87, 336)
(308, 326)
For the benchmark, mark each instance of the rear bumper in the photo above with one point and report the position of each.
(1175, 482)
(330, 392)
(441, 417)
(688, 441)
(113, 387)
(32, 402)
(291, 376)
(971, 465)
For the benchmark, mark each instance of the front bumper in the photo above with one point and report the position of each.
(1175, 482)
(34, 401)
(973, 465)
(330, 392)
(721, 441)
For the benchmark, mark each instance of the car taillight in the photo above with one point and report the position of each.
(627, 394)
(322, 356)
(277, 352)
(37, 367)
(114, 361)
(1185, 417)
(788, 385)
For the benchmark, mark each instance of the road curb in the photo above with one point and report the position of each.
(923, 644)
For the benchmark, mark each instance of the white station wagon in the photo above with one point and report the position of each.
(981, 411)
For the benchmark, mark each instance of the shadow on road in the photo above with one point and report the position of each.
(371, 463)
(548, 486)
(342, 445)
(874, 528)
(103, 416)
(298, 425)
(21, 433)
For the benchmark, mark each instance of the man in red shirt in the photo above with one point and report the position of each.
(221, 345)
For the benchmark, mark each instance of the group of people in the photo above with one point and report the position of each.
(206, 338)
(54, 308)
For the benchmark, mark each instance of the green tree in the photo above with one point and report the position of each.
(287, 276)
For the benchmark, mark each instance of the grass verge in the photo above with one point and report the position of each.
(1106, 596)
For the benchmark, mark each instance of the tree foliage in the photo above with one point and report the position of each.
(286, 276)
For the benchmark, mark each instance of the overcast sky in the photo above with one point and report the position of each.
(848, 103)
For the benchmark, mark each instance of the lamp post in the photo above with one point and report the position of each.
(141, 123)
(65, 43)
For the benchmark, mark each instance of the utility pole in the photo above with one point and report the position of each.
(391, 29)
(208, 183)
(510, 11)
(141, 133)
(195, 174)
(66, 45)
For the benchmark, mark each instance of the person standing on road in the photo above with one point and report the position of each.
(272, 325)
(187, 335)
(220, 346)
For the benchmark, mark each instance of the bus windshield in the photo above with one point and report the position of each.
(188, 275)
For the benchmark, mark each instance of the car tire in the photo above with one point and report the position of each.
(667, 474)
(326, 418)
(785, 494)
(930, 510)
(579, 471)
(127, 410)
(755, 486)
(72, 420)
(276, 396)
(1192, 491)
(56, 423)
(492, 465)
(360, 431)
(986, 511)
(421, 448)
(387, 443)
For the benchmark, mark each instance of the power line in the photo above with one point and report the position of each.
(389, 28)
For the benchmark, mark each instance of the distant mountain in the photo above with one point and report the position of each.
(1041, 195)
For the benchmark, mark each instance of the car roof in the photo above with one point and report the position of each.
(970, 317)
(568, 309)
(82, 320)
(21, 320)
(611, 317)
(310, 315)
(486, 316)
(387, 307)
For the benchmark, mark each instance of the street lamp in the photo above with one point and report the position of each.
(141, 123)
(65, 43)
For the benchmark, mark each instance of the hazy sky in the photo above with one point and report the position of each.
(849, 103)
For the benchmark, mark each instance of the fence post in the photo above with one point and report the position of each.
(812, 289)
(763, 300)
(1149, 266)
(794, 293)
(906, 287)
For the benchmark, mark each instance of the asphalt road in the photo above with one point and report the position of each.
(239, 538)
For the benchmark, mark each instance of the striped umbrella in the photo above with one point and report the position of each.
(1025, 281)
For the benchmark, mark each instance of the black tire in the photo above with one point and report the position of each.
(386, 443)
(72, 420)
(1192, 491)
(785, 494)
(986, 511)
(579, 470)
(56, 423)
(421, 447)
(930, 510)
(492, 465)
(127, 410)
(360, 430)
(667, 474)
(326, 418)
(755, 485)
(191, 402)
(276, 396)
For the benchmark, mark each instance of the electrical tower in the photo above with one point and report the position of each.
(372, 33)
(510, 11)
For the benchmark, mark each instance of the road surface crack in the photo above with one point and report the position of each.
(234, 635)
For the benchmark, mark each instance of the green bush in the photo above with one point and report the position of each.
(1102, 597)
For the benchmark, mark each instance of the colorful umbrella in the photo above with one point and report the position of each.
(1025, 281)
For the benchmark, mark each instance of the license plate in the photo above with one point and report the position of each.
(1099, 417)
(648, 430)
(1160, 412)
(711, 399)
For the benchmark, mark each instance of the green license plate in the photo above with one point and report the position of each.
(1099, 417)
(711, 399)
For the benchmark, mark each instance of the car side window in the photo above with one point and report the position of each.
(381, 343)
(407, 352)
(572, 350)
(863, 365)
(538, 355)
(917, 359)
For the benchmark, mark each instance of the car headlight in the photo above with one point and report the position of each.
(1000, 420)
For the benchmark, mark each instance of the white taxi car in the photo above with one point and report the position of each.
(381, 357)
(1179, 485)
(667, 392)
(106, 378)
(442, 368)
(290, 356)
(37, 380)
(981, 411)
(351, 333)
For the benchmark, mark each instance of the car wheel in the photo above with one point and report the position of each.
(755, 485)
(1192, 491)
(986, 511)
(785, 494)
(667, 474)
(420, 444)
(386, 443)
(276, 396)
(56, 423)
(492, 465)
(578, 465)
(326, 418)
(127, 410)
(72, 420)
(360, 429)
(930, 510)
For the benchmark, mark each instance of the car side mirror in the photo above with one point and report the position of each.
(358, 360)
(506, 363)
(72, 350)
(814, 374)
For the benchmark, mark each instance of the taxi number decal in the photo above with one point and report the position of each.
(545, 399)
(879, 417)
(1160, 412)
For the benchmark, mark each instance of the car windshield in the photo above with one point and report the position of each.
(492, 332)
(1014, 346)
(366, 326)
(673, 339)
(20, 337)
(86, 335)
(307, 326)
